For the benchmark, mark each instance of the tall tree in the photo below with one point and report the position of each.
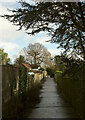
(19, 60)
(65, 21)
(4, 59)
(37, 54)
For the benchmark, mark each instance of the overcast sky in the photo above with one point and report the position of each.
(12, 40)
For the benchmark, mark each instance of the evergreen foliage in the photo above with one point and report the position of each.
(65, 22)
(19, 60)
(72, 81)
(22, 79)
(4, 59)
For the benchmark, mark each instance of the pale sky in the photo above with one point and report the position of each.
(14, 41)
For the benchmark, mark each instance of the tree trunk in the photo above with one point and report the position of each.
(35, 59)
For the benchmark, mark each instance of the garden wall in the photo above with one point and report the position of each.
(16, 89)
(10, 75)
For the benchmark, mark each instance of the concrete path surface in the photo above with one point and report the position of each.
(52, 104)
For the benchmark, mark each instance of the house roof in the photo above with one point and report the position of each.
(33, 66)
(26, 65)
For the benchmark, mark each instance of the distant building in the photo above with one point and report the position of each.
(27, 66)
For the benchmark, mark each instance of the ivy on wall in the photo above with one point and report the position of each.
(22, 79)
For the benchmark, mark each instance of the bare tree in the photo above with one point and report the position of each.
(37, 54)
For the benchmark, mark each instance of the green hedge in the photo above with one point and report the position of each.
(72, 85)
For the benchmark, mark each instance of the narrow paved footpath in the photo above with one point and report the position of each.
(52, 104)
